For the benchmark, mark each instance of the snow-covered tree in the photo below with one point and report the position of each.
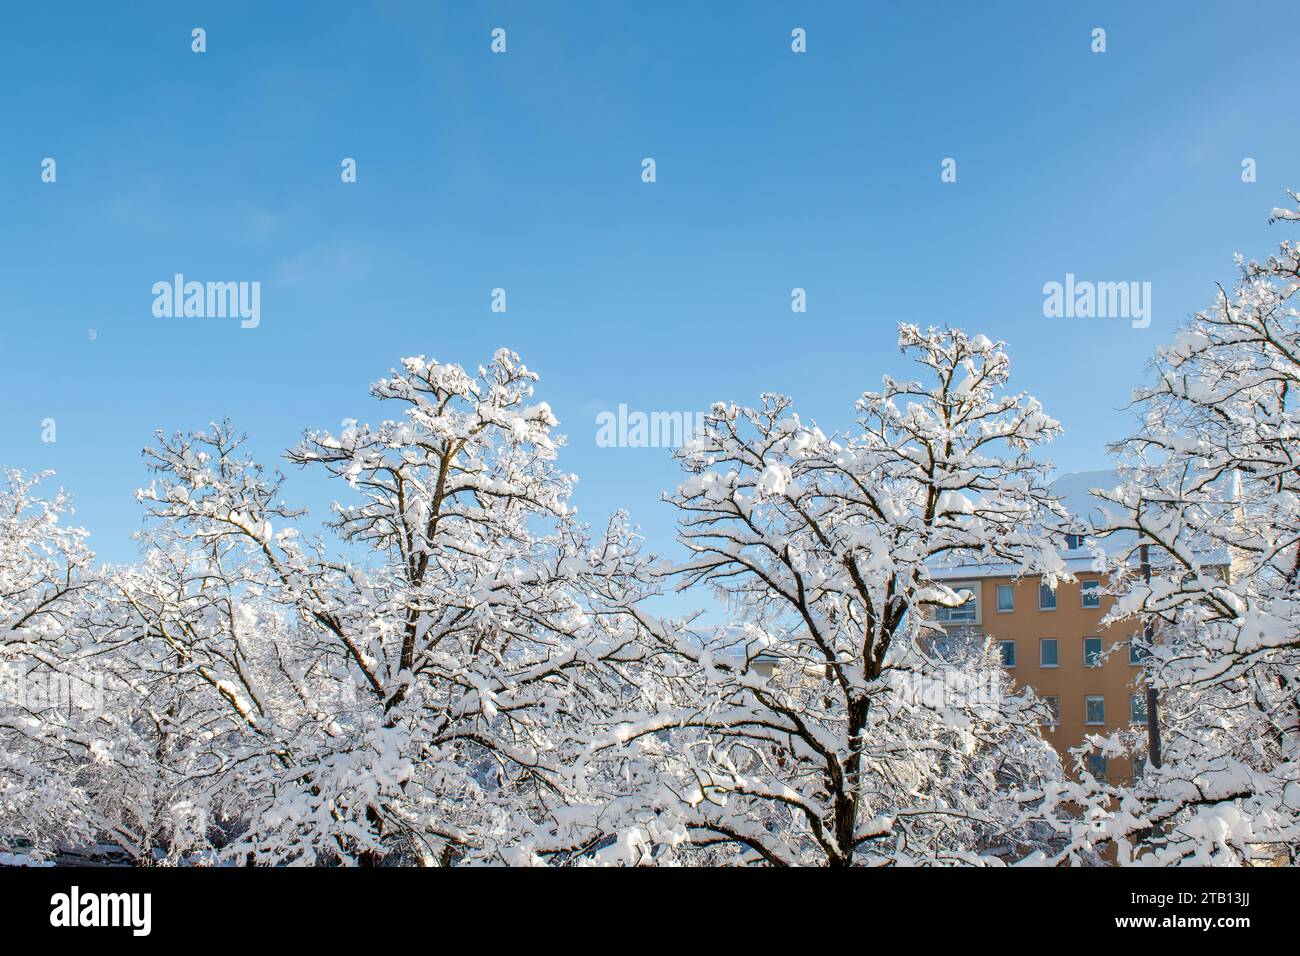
(90, 716)
(47, 690)
(207, 699)
(426, 686)
(1212, 491)
(826, 725)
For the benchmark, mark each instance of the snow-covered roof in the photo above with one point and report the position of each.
(1076, 562)
(1075, 491)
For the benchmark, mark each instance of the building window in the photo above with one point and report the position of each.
(958, 615)
(1053, 710)
(1008, 649)
(1094, 709)
(1048, 655)
(1006, 598)
(1074, 541)
(1046, 598)
(1138, 708)
(1137, 654)
(1097, 767)
(1091, 591)
(1092, 652)
(966, 613)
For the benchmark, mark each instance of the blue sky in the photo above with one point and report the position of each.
(522, 171)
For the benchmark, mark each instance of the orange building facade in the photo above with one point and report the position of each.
(1054, 642)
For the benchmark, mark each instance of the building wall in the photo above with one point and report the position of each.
(1072, 680)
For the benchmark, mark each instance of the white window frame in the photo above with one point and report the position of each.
(1044, 588)
(997, 598)
(1131, 648)
(1133, 700)
(1086, 587)
(1089, 699)
(974, 588)
(1101, 759)
(1053, 714)
(1002, 657)
(1041, 642)
(1101, 651)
